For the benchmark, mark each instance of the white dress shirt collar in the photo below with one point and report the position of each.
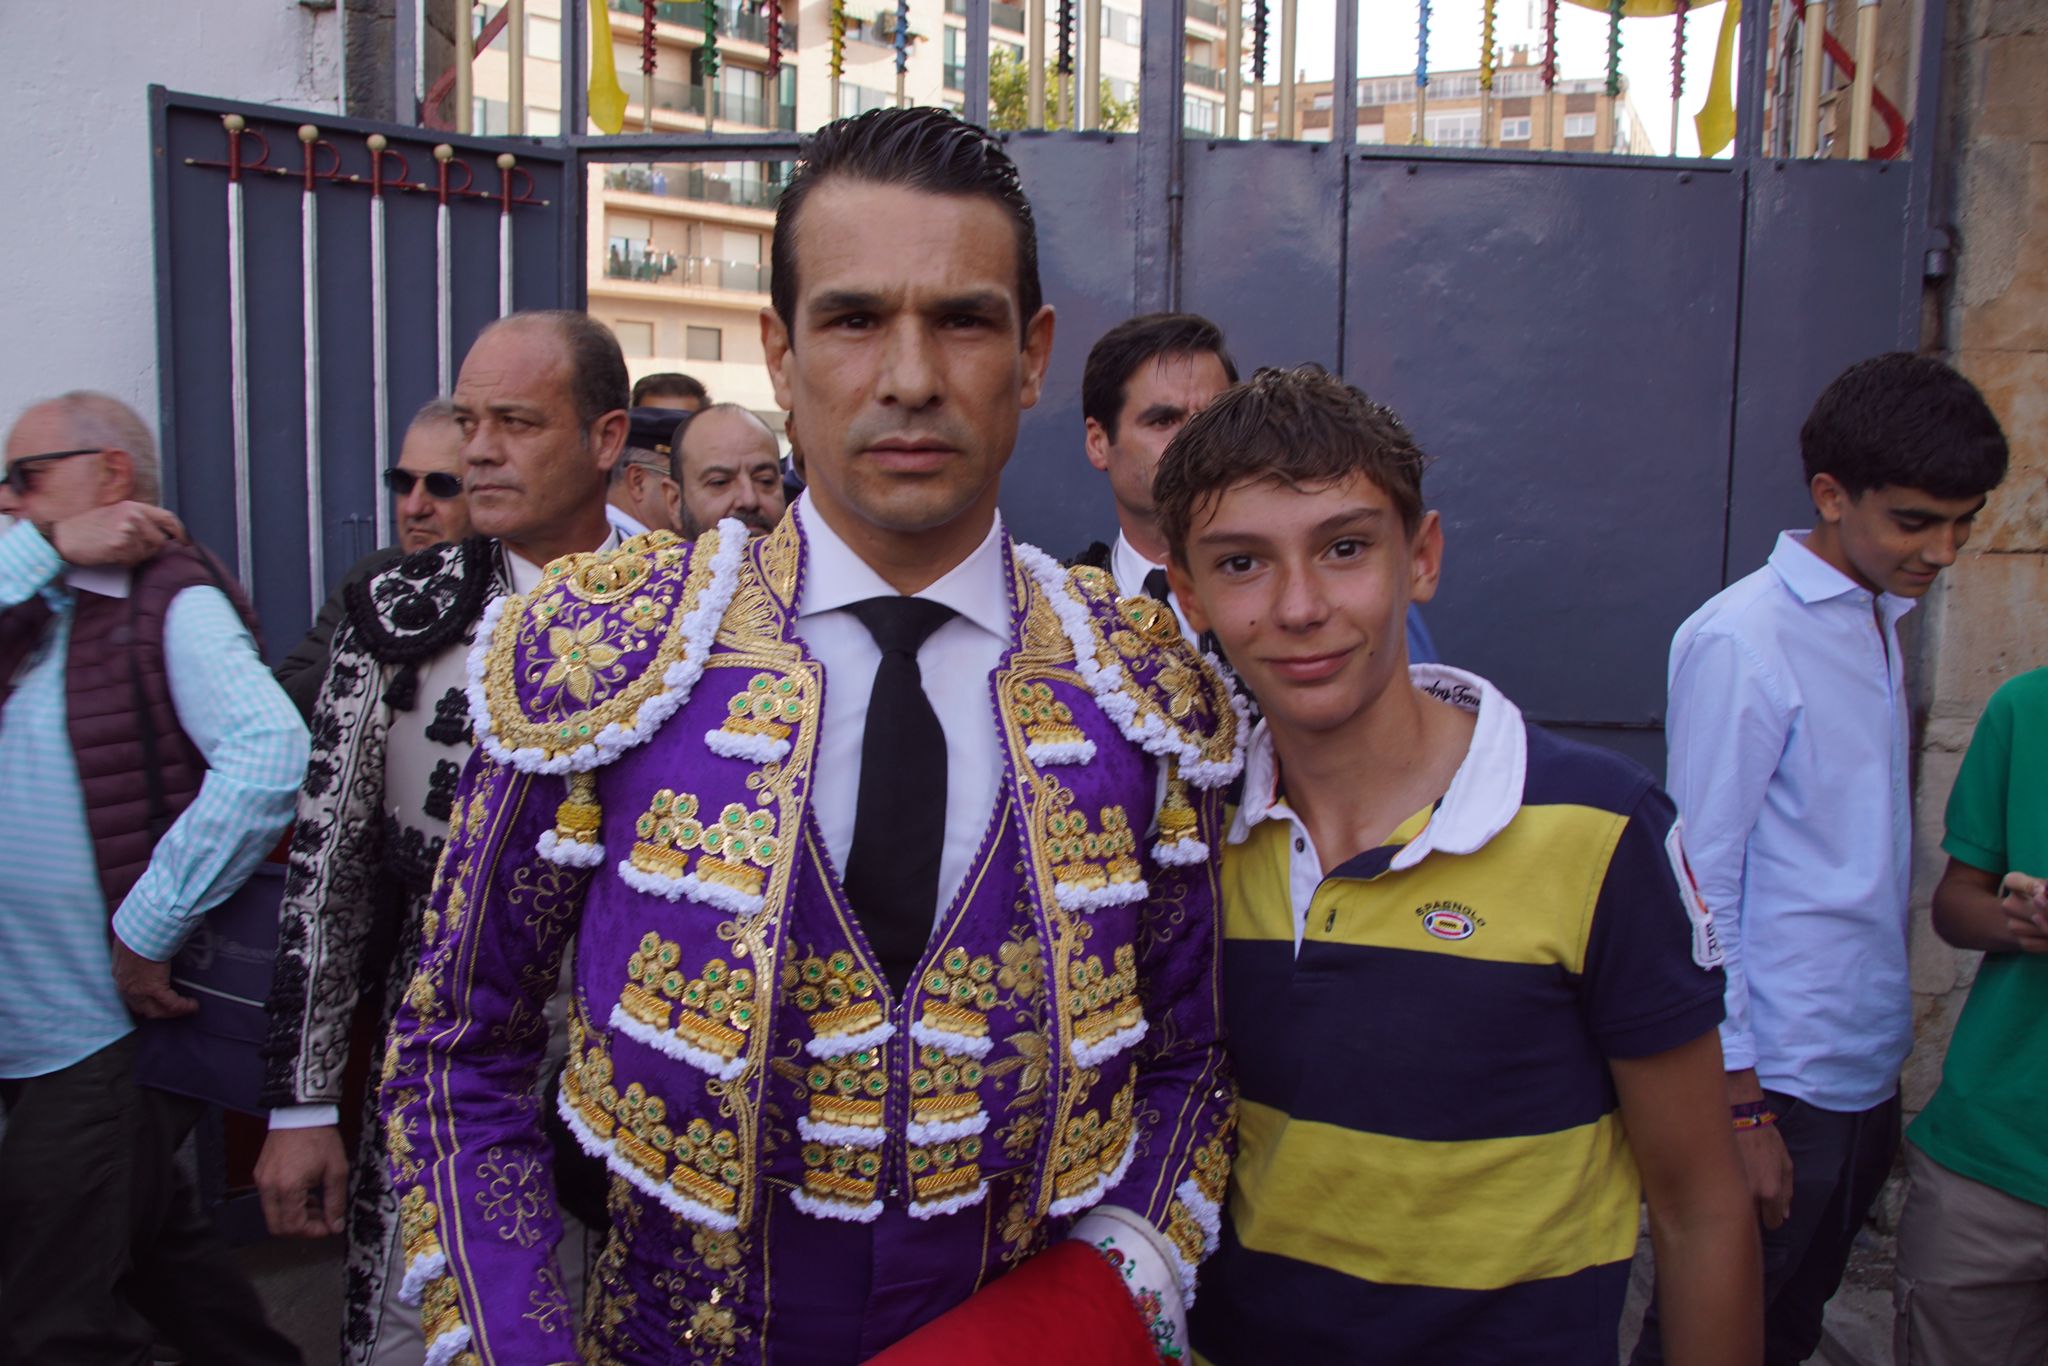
(1484, 794)
(1812, 579)
(1129, 569)
(835, 576)
(107, 580)
(623, 521)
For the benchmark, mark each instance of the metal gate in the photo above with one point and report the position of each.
(1608, 358)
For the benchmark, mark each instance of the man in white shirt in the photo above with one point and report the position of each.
(1789, 760)
(1144, 379)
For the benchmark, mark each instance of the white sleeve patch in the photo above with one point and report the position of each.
(1706, 944)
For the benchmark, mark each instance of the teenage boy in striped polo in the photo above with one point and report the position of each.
(1471, 996)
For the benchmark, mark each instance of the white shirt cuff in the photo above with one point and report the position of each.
(1140, 1255)
(305, 1117)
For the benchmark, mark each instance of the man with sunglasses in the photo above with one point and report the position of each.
(539, 409)
(426, 486)
(147, 764)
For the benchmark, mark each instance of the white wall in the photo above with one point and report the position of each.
(75, 229)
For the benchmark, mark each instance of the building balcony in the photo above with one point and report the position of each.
(1208, 77)
(699, 272)
(1201, 12)
(1005, 16)
(734, 21)
(682, 97)
(698, 184)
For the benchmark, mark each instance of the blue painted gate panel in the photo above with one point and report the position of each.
(1562, 341)
(194, 327)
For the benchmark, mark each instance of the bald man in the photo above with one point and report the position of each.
(729, 466)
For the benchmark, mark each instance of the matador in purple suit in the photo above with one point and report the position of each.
(882, 843)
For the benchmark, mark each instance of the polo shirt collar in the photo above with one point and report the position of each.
(1484, 794)
(836, 577)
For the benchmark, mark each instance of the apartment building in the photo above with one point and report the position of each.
(1577, 115)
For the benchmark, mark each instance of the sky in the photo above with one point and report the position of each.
(1386, 47)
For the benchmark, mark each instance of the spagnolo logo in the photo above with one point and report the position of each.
(1449, 919)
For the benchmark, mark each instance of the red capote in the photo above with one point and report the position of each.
(1065, 1304)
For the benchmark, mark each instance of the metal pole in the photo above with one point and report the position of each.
(1866, 80)
(238, 354)
(575, 33)
(506, 161)
(1344, 79)
(1034, 63)
(465, 63)
(1753, 75)
(1812, 56)
(975, 105)
(309, 290)
(444, 297)
(1090, 41)
(515, 77)
(1160, 135)
(380, 360)
(1233, 70)
(1287, 128)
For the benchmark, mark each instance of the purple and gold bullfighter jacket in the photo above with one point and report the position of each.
(803, 1167)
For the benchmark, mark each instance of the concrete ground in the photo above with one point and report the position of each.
(300, 1283)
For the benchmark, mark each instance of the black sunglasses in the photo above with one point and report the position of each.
(16, 477)
(439, 485)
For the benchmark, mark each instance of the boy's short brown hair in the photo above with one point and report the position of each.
(1301, 427)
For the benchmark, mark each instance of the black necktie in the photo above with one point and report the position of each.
(899, 820)
(1156, 586)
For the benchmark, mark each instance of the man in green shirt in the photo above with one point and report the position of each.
(1973, 1243)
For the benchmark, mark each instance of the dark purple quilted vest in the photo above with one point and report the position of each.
(117, 702)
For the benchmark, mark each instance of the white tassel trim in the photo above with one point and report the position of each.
(1072, 896)
(1179, 853)
(418, 1272)
(677, 1047)
(952, 1204)
(675, 1201)
(1206, 1213)
(1186, 1271)
(716, 895)
(966, 1044)
(842, 1210)
(448, 1346)
(755, 749)
(1152, 734)
(851, 1135)
(1100, 1186)
(1062, 752)
(945, 1130)
(699, 628)
(839, 1045)
(569, 853)
(1102, 1050)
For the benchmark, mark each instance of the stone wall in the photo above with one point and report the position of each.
(1988, 619)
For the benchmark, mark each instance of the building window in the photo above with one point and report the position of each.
(1460, 128)
(1581, 125)
(703, 343)
(1320, 102)
(544, 38)
(1199, 116)
(635, 338)
(858, 99)
(1514, 130)
(1372, 134)
(1120, 27)
(543, 123)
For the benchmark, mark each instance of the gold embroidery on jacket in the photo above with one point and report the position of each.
(712, 1011)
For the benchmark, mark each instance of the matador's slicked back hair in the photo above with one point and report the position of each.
(930, 150)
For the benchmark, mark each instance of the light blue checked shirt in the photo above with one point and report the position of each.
(57, 998)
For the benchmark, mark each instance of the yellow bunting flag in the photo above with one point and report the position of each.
(607, 96)
(1716, 119)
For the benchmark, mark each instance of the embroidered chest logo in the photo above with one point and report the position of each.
(1449, 920)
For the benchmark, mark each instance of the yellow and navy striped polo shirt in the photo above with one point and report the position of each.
(1431, 1164)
